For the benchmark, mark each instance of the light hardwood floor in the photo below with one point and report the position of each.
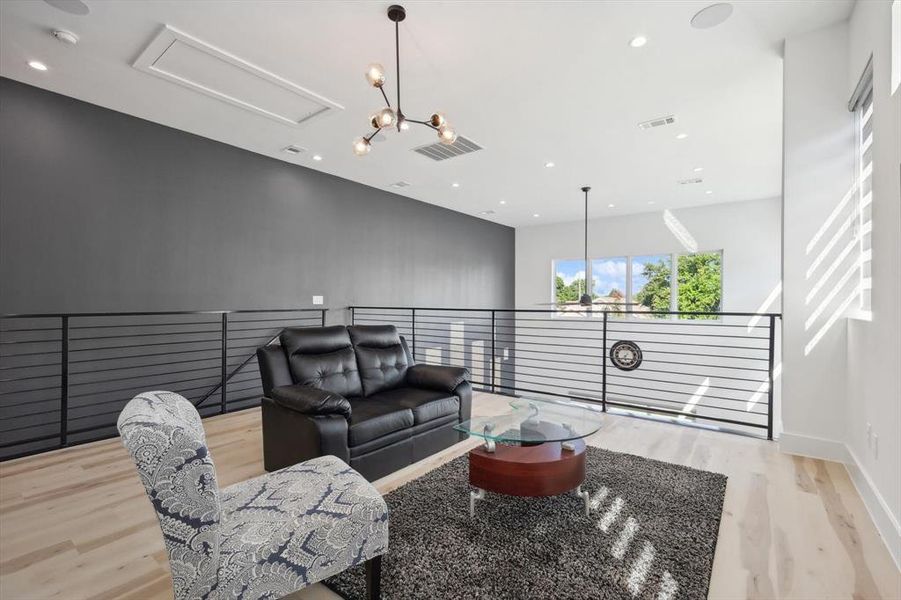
(75, 523)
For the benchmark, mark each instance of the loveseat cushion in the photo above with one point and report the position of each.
(381, 358)
(311, 401)
(370, 420)
(322, 357)
(426, 405)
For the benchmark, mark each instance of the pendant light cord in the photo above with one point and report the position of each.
(397, 60)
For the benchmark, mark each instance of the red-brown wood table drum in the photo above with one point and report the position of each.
(543, 470)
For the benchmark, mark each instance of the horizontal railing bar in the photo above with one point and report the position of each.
(16, 342)
(87, 360)
(148, 345)
(29, 329)
(154, 313)
(43, 438)
(534, 310)
(663, 410)
(52, 387)
(131, 387)
(672, 382)
(516, 351)
(161, 364)
(141, 325)
(8, 368)
(31, 377)
(652, 398)
(17, 355)
(133, 377)
(136, 335)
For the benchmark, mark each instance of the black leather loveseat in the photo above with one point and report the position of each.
(354, 392)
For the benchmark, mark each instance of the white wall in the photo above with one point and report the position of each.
(874, 347)
(818, 170)
(747, 232)
(852, 376)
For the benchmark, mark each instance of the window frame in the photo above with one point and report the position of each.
(862, 105)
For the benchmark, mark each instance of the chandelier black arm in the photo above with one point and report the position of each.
(373, 134)
(385, 96)
(426, 123)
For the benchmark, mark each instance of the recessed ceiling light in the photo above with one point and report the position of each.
(711, 16)
(638, 41)
(536, 215)
(455, 184)
(681, 136)
(37, 65)
(502, 202)
(549, 165)
(698, 169)
(709, 192)
(611, 205)
(316, 157)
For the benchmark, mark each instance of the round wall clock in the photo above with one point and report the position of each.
(625, 355)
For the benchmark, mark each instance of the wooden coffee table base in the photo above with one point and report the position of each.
(542, 470)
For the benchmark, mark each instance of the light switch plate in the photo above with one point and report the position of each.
(317, 300)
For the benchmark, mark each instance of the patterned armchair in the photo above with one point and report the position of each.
(262, 538)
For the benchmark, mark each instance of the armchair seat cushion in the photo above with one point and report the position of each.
(296, 526)
(426, 405)
(371, 419)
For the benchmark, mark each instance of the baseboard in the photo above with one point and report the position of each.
(814, 447)
(880, 513)
(879, 510)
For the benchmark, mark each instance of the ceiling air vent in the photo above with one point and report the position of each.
(690, 181)
(439, 151)
(658, 122)
(401, 184)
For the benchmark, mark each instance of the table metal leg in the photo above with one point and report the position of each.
(586, 498)
(478, 494)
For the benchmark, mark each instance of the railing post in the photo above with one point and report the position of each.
(493, 350)
(64, 385)
(413, 332)
(223, 403)
(604, 365)
(352, 315)
(769, 379)
(322, 311)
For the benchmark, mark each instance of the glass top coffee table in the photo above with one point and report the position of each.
(535, 449)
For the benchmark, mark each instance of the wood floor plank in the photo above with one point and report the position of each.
(75, 523)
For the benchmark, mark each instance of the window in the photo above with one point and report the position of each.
(862, 105)
(652, 283)
(645, 284)
(609, 278)
(700, 278)
(569, 280)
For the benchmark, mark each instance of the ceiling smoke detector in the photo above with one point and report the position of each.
(658, 122)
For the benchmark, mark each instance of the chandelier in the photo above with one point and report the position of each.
(389, 117)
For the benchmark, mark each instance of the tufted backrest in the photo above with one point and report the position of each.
(163, 433)
(381, 357)
(322, 357)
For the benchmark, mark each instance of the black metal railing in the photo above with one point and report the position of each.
(64, 378)
(696, 367)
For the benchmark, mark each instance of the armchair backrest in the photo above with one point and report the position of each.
(163, 433)
(322, 357)
(381, 357)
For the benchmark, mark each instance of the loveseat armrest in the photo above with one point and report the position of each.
(434, 377)
(311, 401)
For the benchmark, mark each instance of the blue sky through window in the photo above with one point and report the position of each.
(609, 274)
(570, 270)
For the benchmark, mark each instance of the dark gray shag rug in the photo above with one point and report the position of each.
(651, 534)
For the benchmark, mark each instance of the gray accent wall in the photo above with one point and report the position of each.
(101, 211)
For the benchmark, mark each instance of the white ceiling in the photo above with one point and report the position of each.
(531, 82)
